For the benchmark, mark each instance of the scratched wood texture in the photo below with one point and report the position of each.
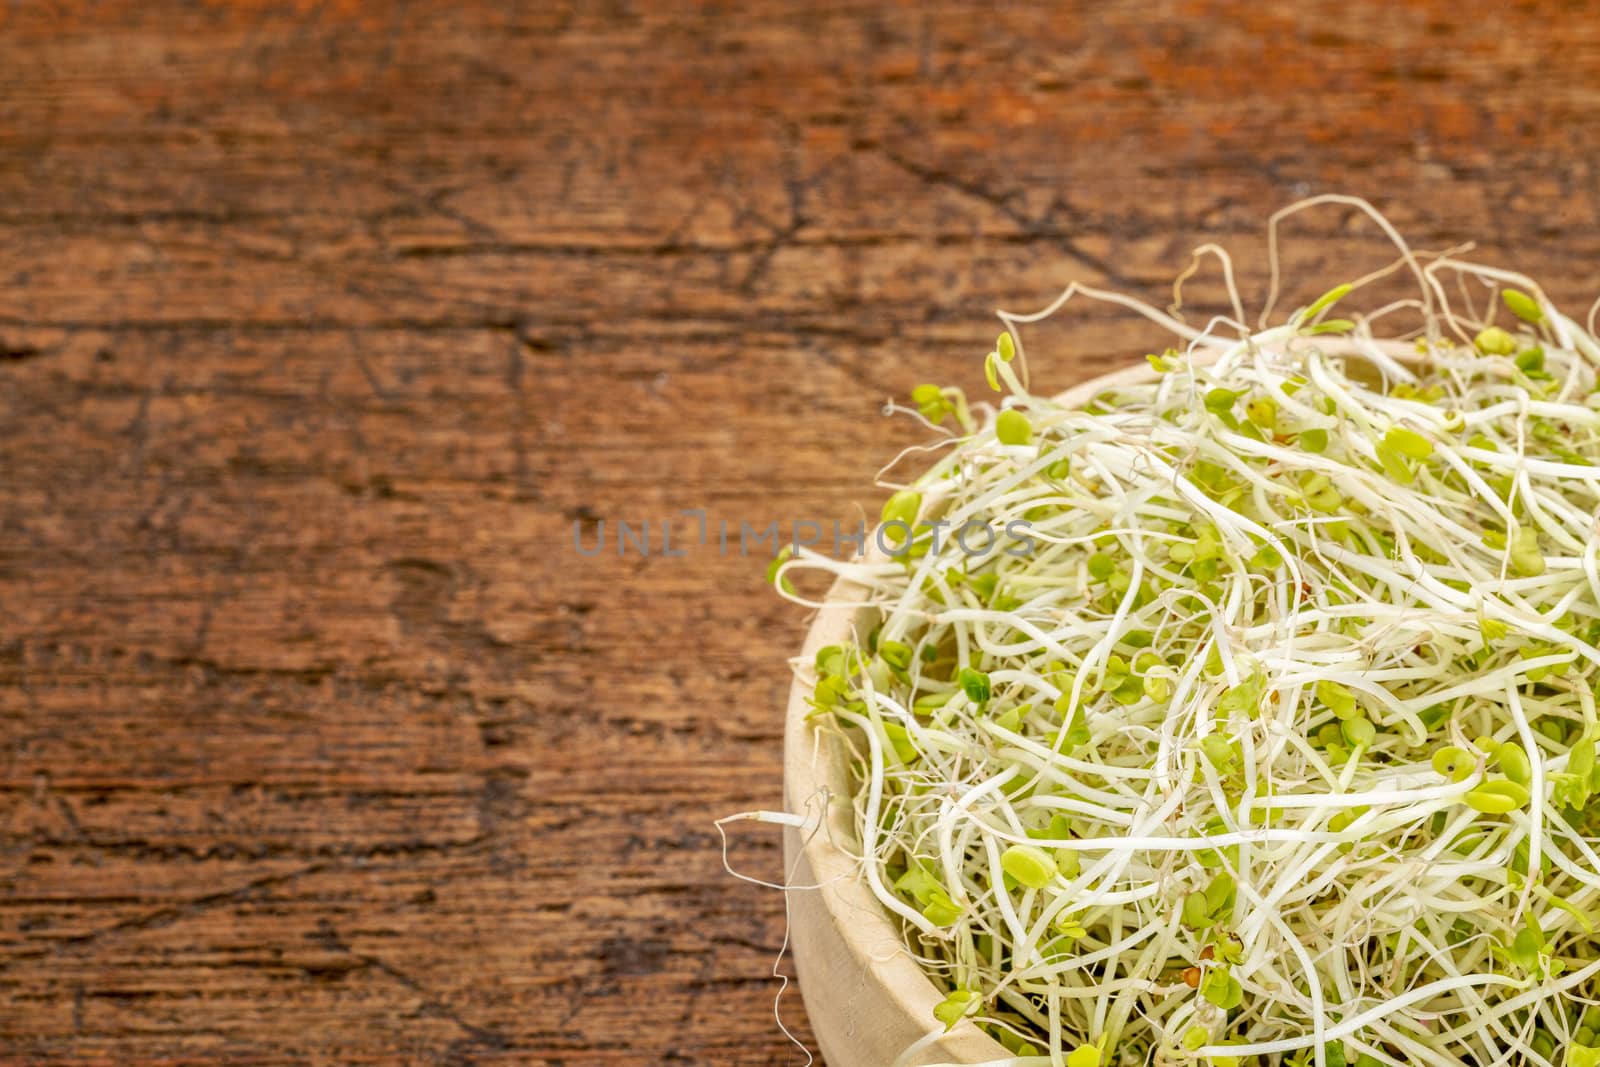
(322, 324)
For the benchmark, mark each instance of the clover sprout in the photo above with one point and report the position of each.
(1279, 747)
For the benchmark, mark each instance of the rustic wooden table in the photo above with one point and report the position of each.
(322, 324)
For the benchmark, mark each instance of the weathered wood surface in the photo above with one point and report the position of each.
(321, 323)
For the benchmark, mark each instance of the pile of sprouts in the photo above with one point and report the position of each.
(1277, 743)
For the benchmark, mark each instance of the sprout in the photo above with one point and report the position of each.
(975, 684)
(1339, 700)
(1070, 926)
(932, 403)
(1514, 762)
(895, 654)
(1408, 442)
(1220, 400)
(1526, 559)
(956, 1006)
(1498, 797)
(900, 514)
(1523, 306)
(1326, 301)
(1084, 1056)
(1280, 746)
(991, 371)
(1030, 866)
(940, 909)
(1359, 732)
(1222, 989)
(1493, 341)
(1454, 763)
(775, 575)
(1011, 427)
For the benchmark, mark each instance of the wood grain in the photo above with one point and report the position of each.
(322, 323)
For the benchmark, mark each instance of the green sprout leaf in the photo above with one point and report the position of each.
(1497, 797)
(1070, 926)
(1222, 989)
(1359, 732)
(1219, 895)
(1339, 699)
(1514, 763)
(919, 884)
(1408, 442)
(932, 403)
(1523, 306)
(895, 654)
(976, 685)
(991, 370)
(1228, 949)
(1527, 945)
(955, 1007)
(1394, 463)
(900, 740)
(1084, 1056)
(1454, 762)
(1219, 752)
(1031, 866)
(940, 909)
(1495, 342)
(1012, 428)
(1165, 363)
(1582, 1056)
(783, 556)
(1526, 559)
(902, 507)
(831, 691)
(1326, 301)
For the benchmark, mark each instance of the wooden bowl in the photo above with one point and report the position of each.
(868, 1000)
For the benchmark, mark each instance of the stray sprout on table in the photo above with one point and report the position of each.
(1281, 747)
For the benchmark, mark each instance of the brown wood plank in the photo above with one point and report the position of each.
(322, 323)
